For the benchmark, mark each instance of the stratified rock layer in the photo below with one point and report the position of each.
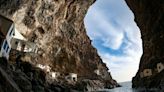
(149, 16)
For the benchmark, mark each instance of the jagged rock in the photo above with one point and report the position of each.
(7, 83)
(90, 85)
(57, 88)
(3, 62)
(22, 81)
(64, 44)
(109, 84)
(38, 88)
(57, 28)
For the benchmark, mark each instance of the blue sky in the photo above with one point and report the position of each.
(111, 27)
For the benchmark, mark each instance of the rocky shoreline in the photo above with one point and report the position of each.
(28, 78)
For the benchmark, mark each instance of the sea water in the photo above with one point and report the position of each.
(127, 87)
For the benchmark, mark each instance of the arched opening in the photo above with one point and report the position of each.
(111, 27)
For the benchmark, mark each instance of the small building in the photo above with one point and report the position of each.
(11, 39)
(54, 75)
(141, 75)
(72, 77)
(46, 68)
(147, 72)
(160, 67)
(97, 71)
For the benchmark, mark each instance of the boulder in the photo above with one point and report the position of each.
(90, 85)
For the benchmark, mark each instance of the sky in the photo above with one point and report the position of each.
(111, 27)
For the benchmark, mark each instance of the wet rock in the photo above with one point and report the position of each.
(109, 84)
(38, 88)
(6, 82)
(90, 85)
(57, 88)
(22, 81)
(3, 62)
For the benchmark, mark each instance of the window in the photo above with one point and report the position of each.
(159, 67)
(16, 43)
(7, 49)
(11, 32)
(23, 45)
(74, 79)
(5, 44)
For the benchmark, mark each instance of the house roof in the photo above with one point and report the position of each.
(5, 24)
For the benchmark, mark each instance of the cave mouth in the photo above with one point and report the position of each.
(111, 27)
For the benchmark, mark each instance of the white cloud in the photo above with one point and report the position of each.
(123, 67)
(112, 22)
(111, 36)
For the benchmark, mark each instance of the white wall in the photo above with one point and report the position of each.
(8, 39)
(160, 67)
(73, 75)
(147, 72)
(18, 35)
(97, 72)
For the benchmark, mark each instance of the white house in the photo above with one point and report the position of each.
(147, 72)
(72, 77)
(46, 68)
(160, 67)
(10, 39)
(97, 71)
(54, 75)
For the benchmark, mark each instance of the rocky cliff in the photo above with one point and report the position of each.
(57, 28)
(149, 16)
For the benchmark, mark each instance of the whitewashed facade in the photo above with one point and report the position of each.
(72, 77)
(97, 71)
(147, 72)
(8, 31)
(160, 67)
(45, 68)
(12, 39)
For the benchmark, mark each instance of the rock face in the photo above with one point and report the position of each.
(149, 16)
(57, 28)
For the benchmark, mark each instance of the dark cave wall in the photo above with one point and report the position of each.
(149, 16)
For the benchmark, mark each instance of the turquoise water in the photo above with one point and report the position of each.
(126, 87)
